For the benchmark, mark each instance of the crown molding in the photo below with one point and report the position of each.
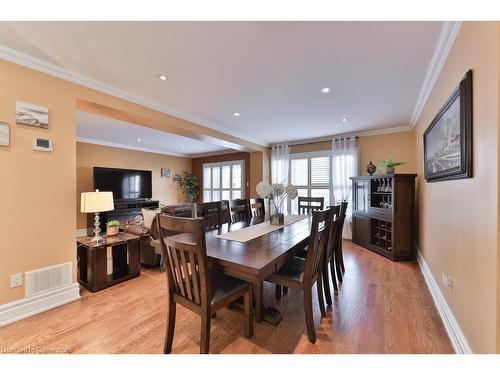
(367, 133)
(34, 63)
(447, 37)
(134, 148)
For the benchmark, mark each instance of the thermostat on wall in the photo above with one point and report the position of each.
(41, 144)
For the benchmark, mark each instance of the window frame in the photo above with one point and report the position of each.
(309, 186)
(220, 188)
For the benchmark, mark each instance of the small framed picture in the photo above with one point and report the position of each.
(165, 173)
(177, 177)
(4, 134)
(32, 115)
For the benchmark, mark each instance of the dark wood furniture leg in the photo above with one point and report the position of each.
(321, 301)
(169, 336)
(326, 283)
(258, 289)
(308, 309)
(278, 291)
(332, 275)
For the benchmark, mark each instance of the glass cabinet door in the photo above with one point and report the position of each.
(361, 196)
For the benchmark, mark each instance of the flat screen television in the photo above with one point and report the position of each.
(124, 183)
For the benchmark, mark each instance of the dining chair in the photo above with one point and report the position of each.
(339, 257)
(240, 210)
(309, 204)
(258, 207)
(192, 284)
(211, 212)
(301, 274)
(226, 212)
(329, 264)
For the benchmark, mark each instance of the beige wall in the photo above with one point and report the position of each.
(458, 219)
(89, 156)
(376, 148)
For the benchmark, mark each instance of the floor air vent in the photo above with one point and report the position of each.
(45, 279)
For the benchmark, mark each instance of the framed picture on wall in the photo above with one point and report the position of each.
(32, 115)
(4, 134)
(448, 139)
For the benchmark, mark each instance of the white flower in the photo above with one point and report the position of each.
(263, 189)
(291, 191)
(278, 189)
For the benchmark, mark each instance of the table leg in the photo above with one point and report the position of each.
(258, 292)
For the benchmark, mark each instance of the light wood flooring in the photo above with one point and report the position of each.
(381, 307)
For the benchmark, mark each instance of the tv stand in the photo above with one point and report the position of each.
(125, 211)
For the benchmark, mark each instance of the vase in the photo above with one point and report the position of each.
(370, 168)
(389, 170)
(277, 219)
(112, 231)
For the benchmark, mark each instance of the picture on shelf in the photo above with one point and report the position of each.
(165, 173)
(32, 115)
(177, 177)
(4, 134)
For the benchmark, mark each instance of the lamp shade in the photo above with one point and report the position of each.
(97, 201)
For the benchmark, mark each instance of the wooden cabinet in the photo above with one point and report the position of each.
(383, 214)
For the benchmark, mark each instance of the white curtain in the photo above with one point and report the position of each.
(280, 160)
(344, 166)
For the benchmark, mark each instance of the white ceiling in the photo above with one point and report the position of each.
(107, 131)
(270, 72)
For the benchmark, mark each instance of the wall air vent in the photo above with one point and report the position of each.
(45, 279)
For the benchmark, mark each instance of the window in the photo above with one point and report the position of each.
(223, 181)
(311, 174)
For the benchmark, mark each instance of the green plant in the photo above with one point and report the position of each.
(189, 186)
(113, 223)
(390, 163)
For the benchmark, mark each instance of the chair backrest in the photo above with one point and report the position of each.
(258, 208)
(320, 231)
(334, 232)
(342, 216)
(185, 261)
(343, 209)
(240, 210)
(307, 205)
(211, 212)
(226, 212)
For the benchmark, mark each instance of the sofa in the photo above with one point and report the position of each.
(148, 230)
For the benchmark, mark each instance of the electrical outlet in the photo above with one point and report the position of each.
(16, 280)
(447, 281)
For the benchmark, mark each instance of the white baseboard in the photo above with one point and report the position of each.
(451, 325)
(26, 307)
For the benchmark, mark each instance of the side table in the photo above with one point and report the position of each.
(92, 260)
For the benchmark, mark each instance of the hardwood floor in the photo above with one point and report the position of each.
(381, 307)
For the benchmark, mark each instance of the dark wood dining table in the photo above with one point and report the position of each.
(257, 259)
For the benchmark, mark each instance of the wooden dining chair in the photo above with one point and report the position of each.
(301, 273)
(240, 210)
(339, 257)
(258, 207)
(211, 212)
(190, 281)
(309, 204)
(329, 264)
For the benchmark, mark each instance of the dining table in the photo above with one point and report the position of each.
(256, 259)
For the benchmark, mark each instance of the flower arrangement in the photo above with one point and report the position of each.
(112, 228)
(277, 193)
(389, 164)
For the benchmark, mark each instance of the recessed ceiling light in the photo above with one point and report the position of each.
(183, 147)
(162, 77)
(138, 139)
(236, 114)
(344, 119)
(275, 132)
(325, 90)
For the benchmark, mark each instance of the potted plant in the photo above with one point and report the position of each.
(112, 228)
(277, 193)
(389, 164)
(189, 186)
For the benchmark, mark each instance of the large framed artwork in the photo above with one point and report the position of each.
(448, 139)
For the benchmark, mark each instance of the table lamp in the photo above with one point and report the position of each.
(95, 202)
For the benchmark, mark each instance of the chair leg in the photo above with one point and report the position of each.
(205, 333)
(248, 314)
(321, 300)
(308, 310)
(341, 256)
(337, 266)
(332, 275)
(169, 334)
(278, 291)
(326, 283)
(285, 290)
